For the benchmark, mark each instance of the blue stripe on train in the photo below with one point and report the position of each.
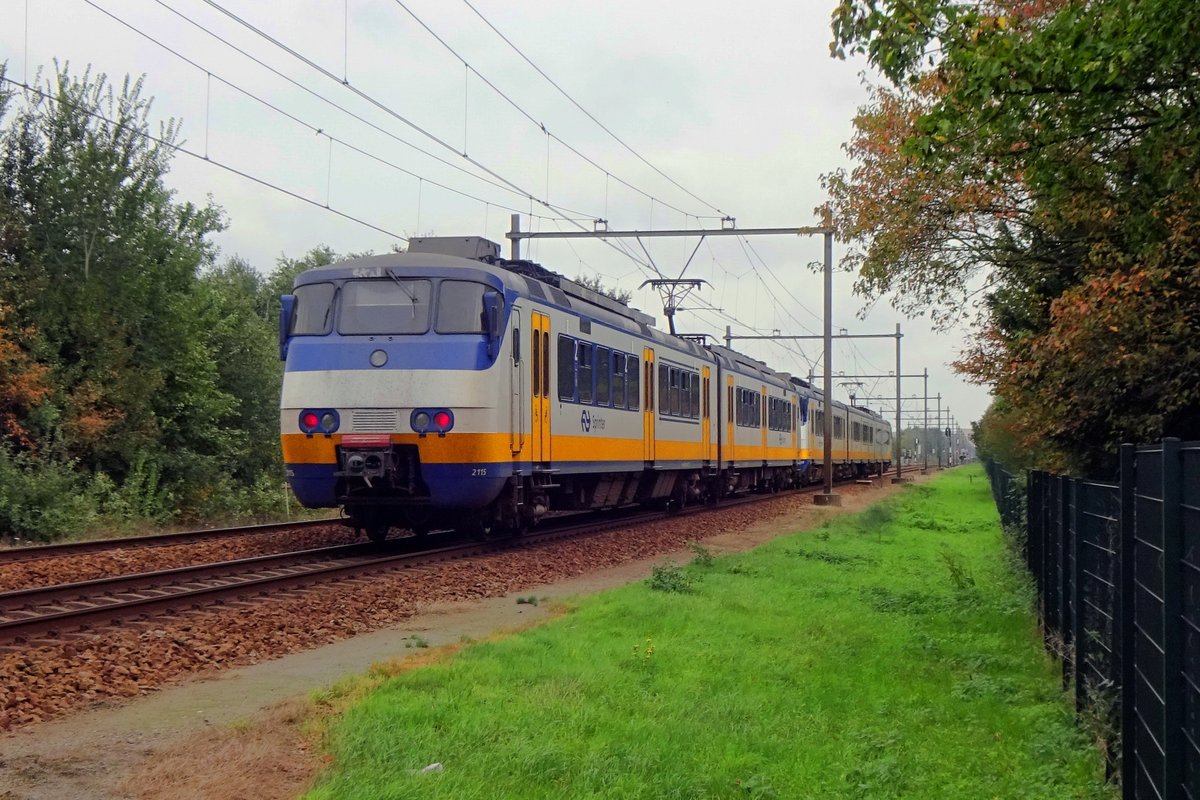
(430, 351)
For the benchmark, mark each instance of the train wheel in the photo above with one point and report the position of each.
(377, 531)
(479, 526)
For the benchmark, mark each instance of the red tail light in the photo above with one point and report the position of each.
(309, 420)
(442, 419)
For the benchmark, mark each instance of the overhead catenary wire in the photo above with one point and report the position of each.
(178, 148)
(458, 168)
(283, 112)
(500, 181)
(401, 118)
(589, 114)
(380, 105)
(521, 110)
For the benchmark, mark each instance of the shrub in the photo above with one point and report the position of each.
(43, 500)
(670, 578)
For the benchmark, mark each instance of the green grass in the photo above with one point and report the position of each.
(886, 654)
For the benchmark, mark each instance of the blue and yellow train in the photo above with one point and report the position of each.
(446, 386)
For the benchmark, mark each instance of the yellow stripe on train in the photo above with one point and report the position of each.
(472, 448)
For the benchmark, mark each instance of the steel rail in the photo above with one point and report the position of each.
(79, 607)
(11, 555)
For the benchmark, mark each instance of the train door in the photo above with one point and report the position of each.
(516, 417)
(705, 414)
(762, 419)
(729, 441)
(539, 370)
(795, 420)
(648, 404)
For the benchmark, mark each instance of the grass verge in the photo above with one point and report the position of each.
(888, 654)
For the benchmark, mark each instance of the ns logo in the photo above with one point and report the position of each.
(587, 422)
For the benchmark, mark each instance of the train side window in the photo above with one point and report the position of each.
(618, 380)
(632, 386)
(583, 360)
(664, 389)
(566, 368)
(603, 376)
(677, 407)
(537, 364)
(694, 391)
(516, 345)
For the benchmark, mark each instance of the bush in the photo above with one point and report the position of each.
(42, 500)
(669, 578)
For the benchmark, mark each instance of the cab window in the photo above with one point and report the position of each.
(375, 306)
(314, 309)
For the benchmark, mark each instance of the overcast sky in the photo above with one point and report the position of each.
(744, 109)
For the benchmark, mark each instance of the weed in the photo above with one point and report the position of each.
(243, 725)
(702, 556)
(977, 685)
(528, 601)
(670, 578)
(840, 559)
(925, 522)
(963, 581)
(878, 769)
(876, 518)
(416, 640)
(745, 569)
(758, 787)
(1100, 719)
(887, 601)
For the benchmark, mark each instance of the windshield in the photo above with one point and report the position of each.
(314, 309)
(397, 305)
(460, 307)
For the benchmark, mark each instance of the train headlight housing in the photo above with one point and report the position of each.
(319, 420)
(432, 420)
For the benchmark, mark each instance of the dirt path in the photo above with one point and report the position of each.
(232, 735)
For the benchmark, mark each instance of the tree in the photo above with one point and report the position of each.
(1034, 165)
(596, 284)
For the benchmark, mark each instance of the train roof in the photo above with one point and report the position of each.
(465, 254)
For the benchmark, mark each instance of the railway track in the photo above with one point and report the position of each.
(67, 609)
(12, 555)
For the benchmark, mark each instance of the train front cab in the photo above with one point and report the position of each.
(393, 402)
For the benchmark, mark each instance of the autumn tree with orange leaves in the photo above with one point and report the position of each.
(1032, 170)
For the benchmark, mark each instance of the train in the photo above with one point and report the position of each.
(448, 387)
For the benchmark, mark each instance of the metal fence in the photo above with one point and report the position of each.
(1117, 572)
